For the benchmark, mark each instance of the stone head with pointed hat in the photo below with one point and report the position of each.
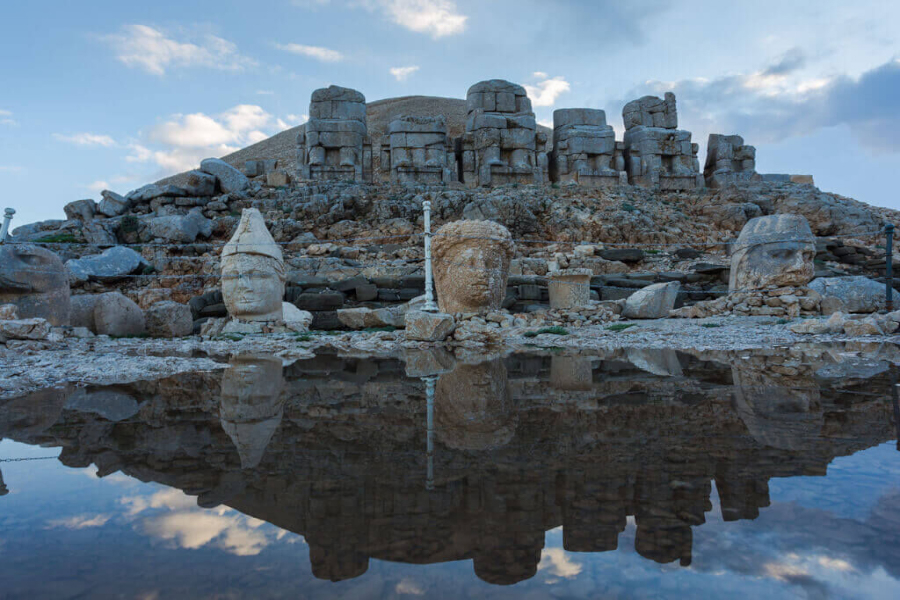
(253, 271)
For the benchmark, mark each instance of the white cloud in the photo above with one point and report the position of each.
(6, 118)
(438, 18)
(143, 47)
(98, 186)
(547, 89)
(79, 522)
(265, 93)
(558, 563)
(291, 121)
(11, 169)
(316, 52)
(86, 139)
(403, 73)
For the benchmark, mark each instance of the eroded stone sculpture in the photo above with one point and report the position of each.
(253, 271)
(416, 150)
(657, 153)
(471, 266)
(473, 407)
(584, 149)
(35, 280)
(500, 144)
(773, 251)
(333, 144)
(252, 406)
(728, 160)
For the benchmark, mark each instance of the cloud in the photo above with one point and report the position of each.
(438, 18)
(6, 118)
(316, 52)
(779, 102)
(146, 48)
(11, 169)
(79, 522)
(86, 139)
(546, 91)
(558, 563)
(291, 121)
(181, 141)
(403, 73)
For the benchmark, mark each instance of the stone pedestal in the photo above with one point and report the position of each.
(570, 288)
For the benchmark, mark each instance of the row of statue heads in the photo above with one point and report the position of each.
(503, 144)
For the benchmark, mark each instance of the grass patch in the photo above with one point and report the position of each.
(129, 224)
(303, 337)
(782, 321)
(60, 238)
(710, 325)
(548, 331)
(628, 207)
(148, 270)
(620, 326)
(231, 337)
(651, 251)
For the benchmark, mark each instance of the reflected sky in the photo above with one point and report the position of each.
(67, 533)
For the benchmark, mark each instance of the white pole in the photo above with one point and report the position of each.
(430, 306)
(4, 229)
(429, 432)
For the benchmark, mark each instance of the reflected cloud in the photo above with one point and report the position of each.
(557, 562)
(79, 522)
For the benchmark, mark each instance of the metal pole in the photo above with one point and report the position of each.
(889, 267)
(4, 229)
(429, 431)
(430, 306)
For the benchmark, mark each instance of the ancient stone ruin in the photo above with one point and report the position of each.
(728, 160)
(773, 251)
(585, 150)
(418, 151)
(331, 147)
(253, 271)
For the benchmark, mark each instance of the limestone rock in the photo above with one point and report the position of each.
(296, 319)
(152, 191)
(652, 302)
(182, 229)
(471, 266)
(830, 305)
(200, 184)
(253, 271)
(474, 334)
(363, 318)
(112, 204)
(8, 312)
(811, 327)
(858, 294)
(835, 323)
(829, 214)
(860, 327)
(24, 329)
(428, 327)
(98, 233)
(169, 319)
(116, 315)
(83, 210)
(35, 280)
(109, 265)
(773, 251)
(230, 179)
(428, 362)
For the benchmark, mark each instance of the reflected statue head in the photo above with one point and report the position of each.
(253, 271)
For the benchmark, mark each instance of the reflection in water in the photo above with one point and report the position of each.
(3, 489)
(349, 453)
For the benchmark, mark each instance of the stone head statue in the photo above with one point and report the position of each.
(253, 271)
(773, 251)
(471, 266)
(251, 407)
(473, 407)
(36, 281)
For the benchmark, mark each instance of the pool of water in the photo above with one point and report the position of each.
(636, 474)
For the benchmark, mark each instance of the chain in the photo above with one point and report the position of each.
(11, 460)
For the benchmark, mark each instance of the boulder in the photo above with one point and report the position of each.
(861, 327)
(169, 319)
(98, 234)
(35, 280)
(175, 228)
(82, 210)
(652, 302)
(626, 255)
(24, 329)
(152, 191)
(363, 318)
(111, 264)
(112, 204)
(116, 315)
(859, 294)
(811, 327)
(230, 179)
(428, 327)
(295, 318)
(200, 184)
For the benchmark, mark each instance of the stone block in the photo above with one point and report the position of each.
(320, 302)
(570, 288)
(116, 315)
(200, 184)
(83, 210)
(169, 319)
(652, 302)
(428, 327)
(112, 204)
(229, 178)
(277, 179)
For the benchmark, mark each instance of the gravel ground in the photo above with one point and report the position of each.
(102, 360)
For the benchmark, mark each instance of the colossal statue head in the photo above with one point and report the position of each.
(473, 407)
(36, 281)
(773, 251)
(253, 271)
(471, 266)
(251, 406)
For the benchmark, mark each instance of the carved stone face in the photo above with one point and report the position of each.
(252, 287)
(36, 281)
(470, 274)
(773, 251)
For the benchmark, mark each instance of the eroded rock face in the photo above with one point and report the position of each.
(471, 266)
(773, 251)
(253, 271)
(36, 281)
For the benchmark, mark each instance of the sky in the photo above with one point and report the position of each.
(104, 94)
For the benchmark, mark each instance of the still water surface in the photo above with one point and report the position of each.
(639, 474)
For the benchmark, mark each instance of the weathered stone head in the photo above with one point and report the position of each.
(252, 406)
(473, 407)
(471, 266)
(253, 271)
(36, 281)
(773, 251)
